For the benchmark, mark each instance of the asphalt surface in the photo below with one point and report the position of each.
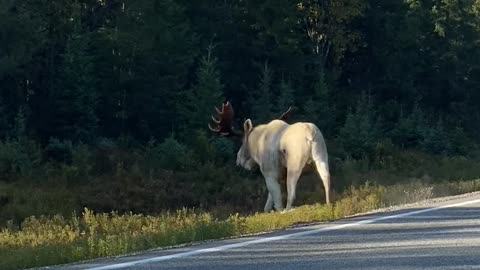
(420, 236)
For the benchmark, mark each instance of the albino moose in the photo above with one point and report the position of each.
(276, 147)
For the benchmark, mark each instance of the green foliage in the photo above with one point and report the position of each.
(285, 97)
(78, 170)
(436, 139)
(18, 158)
(261, 100)
(22, 199)
(320, 108)
(73, 117)
(143, 62)
(20, 127)
(415, 131)
(361, 130)
(328, 30)
(3, 119)
(409, 130)
(211, 148)
(205, 95)
(129, 69)
(59, 151)
(19, 22)
(225, 149)
(460, 143)
(359, 200)
(169, 155)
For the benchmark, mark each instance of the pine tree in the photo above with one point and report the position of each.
(261, 100)
(361, 130)
(409, 130)
(285, 97)
(435, 139)
(3, 120)
(146, 56)
(204, 95)
(319, 107)
(74, 116)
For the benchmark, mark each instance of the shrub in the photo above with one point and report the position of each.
(59, 151)
(460, 143)
(361, 130)
(436, 140)
(18, 158)
(409, 130)
(358, 200)
(79, 170)
(169, 155)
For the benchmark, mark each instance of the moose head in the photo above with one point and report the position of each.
(224, 122)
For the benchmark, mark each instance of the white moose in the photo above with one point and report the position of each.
(274, 147)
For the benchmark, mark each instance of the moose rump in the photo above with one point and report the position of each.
(277, 146)
(301, 143)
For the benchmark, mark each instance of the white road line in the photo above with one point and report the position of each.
(275, 238)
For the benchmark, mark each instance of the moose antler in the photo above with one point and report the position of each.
(286, 114)
(224, 121)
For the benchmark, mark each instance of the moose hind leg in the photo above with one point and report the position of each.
(292, 179)
(274, 189)
(324, 173)
(269, 203)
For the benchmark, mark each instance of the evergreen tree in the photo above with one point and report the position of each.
(74, 116)
(435, 139)
(3, 120)
(204, 95)
(146, 56)
(20, 41)
(409, 130)
(319, 107)
(285, 97)
(80, 70)
(260, 101)
(20, 127)
(361, 130)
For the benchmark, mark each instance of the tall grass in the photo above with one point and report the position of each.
(55, 240)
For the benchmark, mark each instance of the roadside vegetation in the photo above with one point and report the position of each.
(42, 241)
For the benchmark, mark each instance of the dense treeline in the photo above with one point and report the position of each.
(92, 91)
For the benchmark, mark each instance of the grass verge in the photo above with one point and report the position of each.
(56, 240)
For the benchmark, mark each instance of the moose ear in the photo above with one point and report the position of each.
(247, 126)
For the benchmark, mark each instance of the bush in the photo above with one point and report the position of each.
(409, 130)
(436, 140)
(59, 151)
(18, 158)
(168, 155)
(79, 169)
(460, 143)
(361, 130)
(415, 131)
(211, 149)
(359, 200)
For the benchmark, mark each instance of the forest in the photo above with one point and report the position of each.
(105, 104)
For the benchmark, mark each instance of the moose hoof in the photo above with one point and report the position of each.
(287, 210)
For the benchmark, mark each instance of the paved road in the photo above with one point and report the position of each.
(443, 234)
